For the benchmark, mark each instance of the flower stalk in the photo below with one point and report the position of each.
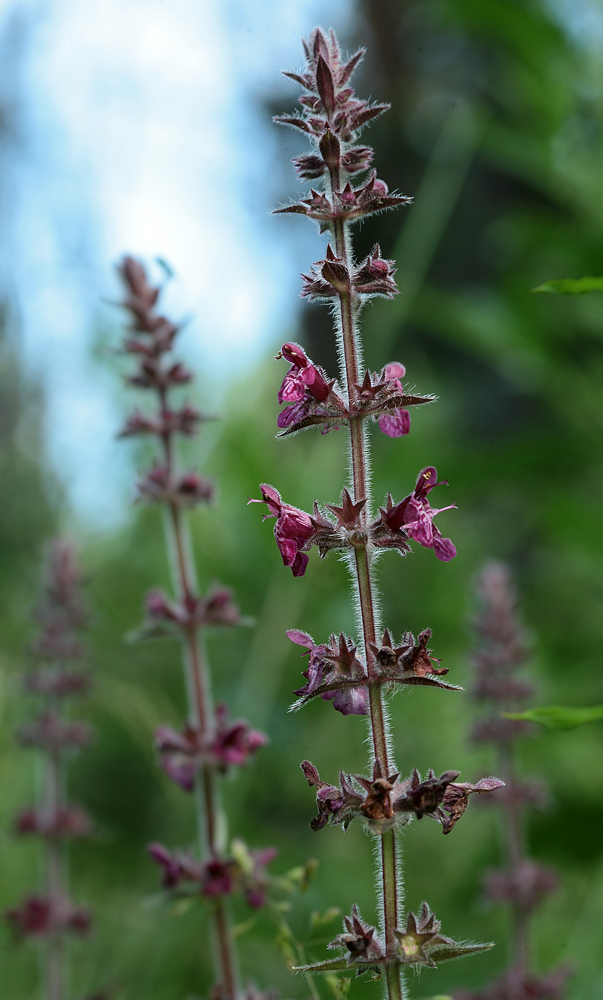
(209, 744)
(60, 675)
(501, 651)
(358, 677)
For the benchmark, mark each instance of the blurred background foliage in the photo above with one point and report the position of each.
(497, 130)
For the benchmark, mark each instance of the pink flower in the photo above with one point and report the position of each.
(415, 515)
(293, 529)
(328, 664)
(256, 883)
(395, 424)
(38, 916)
(302, 375)
(177, 867)
(234, 742)
(303, 387)
(217, 880)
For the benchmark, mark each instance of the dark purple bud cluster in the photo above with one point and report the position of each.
(243, 872)
(60, 615)
(360, 941)
(42, 916)
(420, 943)
(167, 617)
(183, 753)
(150, 340)
(336, 674)
(501, 649)
(387, 801)
(330, 278)
(67, 821)
(53, 732)
(525, 886)
(349, 204)
(519, 986)
(186, 490)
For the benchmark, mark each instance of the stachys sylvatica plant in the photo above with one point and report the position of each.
(358, 675)
(209, 743)
(501, 651)
(60, 674)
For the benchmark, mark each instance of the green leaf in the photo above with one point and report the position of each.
(571, 286)
(558, 717)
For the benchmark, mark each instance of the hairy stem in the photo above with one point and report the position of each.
(388, 886)
(516, 853)
(198, 684)
(55, 879)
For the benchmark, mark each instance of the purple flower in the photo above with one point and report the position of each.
(329, 799)
(38, 916)
(52, 682)
(375, 276)
(67, 821)
(217, 877)
(304, 388)
(234, 742)
(185, 491)
(302, 376)
(255, 884)
(182, 753)
(292, 530)
(179, 754)
(456, 799)
(176, 867)
(328, 664)
(316, 665)
(395, 424)
(168, 861)
(415, 515)
(523, 886)
(165, 616)
(53, 733)
(517, 985)
(217, 607)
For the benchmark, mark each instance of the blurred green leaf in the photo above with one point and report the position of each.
(558, 717)
(318, 920)
(571, 286)
(244, 926)
(339, 986)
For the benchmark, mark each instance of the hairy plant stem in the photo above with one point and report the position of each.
(198, 685)
(514, 834)
(55, 878)
(388, 886)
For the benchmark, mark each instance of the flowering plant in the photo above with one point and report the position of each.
(209, 743)
(358, 675)
(50, 915)
(500, 652)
